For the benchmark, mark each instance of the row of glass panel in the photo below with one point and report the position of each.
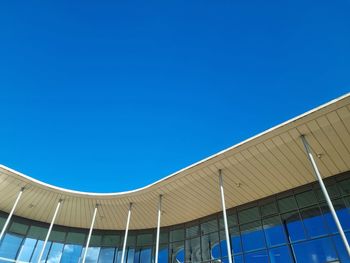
(326, 249)
(290, 226)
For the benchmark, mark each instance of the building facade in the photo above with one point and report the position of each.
(270, 188)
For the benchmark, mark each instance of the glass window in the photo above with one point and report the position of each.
(209, 227)
(131, 255)
(92, 254)
(231, 220)
(75, 238)
(58, 236)
(235, 240)
(37, 232)
(344, 187)
(238, 258)
(95, 241)
(274, 231)
(208, 242)
(18, 228)
(306, 199)
(55, 253)
(118, 256)
(26, 250)
(252, 236)
(287, 204)
(256, 257)
(106, 255)
(193, 250)
(223, 245)
(215, 250)
(2, 220)
(163, 237)
(313, 221)
(163, 254)
(37, 251)
(36, 254)
(177, 235)
(331, 189)
(280, 255)
(146, 255)
(317, 250)
(137, 255)
(111, 240)
(328, 218)
(340, 247)
(346, 201)
(71, 253)
(343, 212)
(144, 240)
(269, 209)
(10, 245)
(249, 215)
(192, 231)
(177, 252)
(131, 240)
(293, 226)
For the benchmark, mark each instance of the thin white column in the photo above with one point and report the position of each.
(325, 192)
(158, 228)
(50, 229)
(126, 233)
(228, 241)
(89, 236)
(11, 213)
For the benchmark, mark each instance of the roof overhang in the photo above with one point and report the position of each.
(268, 163)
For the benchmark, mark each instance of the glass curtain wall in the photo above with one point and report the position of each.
(295, 226)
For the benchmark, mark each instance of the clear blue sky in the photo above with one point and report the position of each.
(107, 96)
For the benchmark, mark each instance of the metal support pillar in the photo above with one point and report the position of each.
(10, 214)
(228, 241)
(89, 236)
(325, 192)
(50, 229)
(126, 233)
(158, 229)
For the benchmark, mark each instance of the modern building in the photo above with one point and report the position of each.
(280, 196)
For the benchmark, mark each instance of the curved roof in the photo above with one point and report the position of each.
(268, 163)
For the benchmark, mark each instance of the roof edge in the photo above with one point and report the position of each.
(92, 194)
